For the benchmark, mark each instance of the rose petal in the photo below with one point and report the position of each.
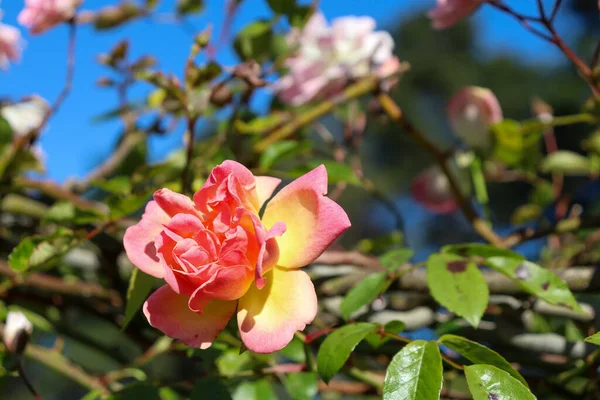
(269, 317)
(168, 312)
(139, 240)
(313, 221)
(174, 203)
(265, 186)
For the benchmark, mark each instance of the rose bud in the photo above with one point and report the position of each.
(17, 332)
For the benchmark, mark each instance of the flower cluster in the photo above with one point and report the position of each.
(217, 256)
(328, 57)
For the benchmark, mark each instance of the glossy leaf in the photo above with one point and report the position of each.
(479, 354)
(338, 346)
(363, 293)
(415, 373)
(140, 285)
(458, 285)
(536, 280)
(487, 382)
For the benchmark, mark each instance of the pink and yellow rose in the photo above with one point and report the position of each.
(41, 15)
(218, 257)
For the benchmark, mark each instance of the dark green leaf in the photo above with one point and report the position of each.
(210, 388)
(302, 385)
(338, 346)
(300, 15)
(189, 6)
(253, 41)
(458, 285)
(135, 392)
(6, 134)
(363, 293)
(480, 250)
(394, 259)
(140, 285)
(376, 339)
(536, 280)
(487, 382)
(282, 6)
(415, 373)
(479, 354)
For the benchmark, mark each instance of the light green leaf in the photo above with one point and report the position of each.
(302, 385)
(67, 213)
(479, 354)
(565, 162)
(337, 171)
(276, 151)
(363, 293)
(257, 390)
(338, 346)
(415, 373)
(394, 259)
(487, 382)
(140, 285)
(38, 251)
(594, 339)
(536, 280)
(458, 285)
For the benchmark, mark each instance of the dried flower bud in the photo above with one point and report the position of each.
(17, 332)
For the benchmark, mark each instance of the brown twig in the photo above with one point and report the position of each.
(56, 191)
(396, 114)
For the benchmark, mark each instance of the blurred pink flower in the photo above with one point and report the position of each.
(472, 111)
(328, 57)
(41, 15)
(449, 12)
(10, 45)
(431, 188)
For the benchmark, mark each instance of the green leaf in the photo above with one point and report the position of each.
(300, 15)
(253, 41)
(363, 293)
(480, 250)
(302, 385)
(594, 339)
(140, 285)
(294, 351)
(276, 151)
(282, 6)
(565, 162)
(189, 6)
(261, 125)
(487, 382)
(458, 285)
(123, 206)
(338, 346)
(415, 373)
(136, 391)
(536, 280)
(120, 185)
(67, 213)
(479, 354)
(6, 133)
(394, 259)
(210, 388)
(231, 362)
(376, 339)
(257, 390)
(37, 251)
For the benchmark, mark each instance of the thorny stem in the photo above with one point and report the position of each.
(397, 115)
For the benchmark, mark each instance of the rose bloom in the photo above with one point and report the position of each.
(431, 189)
(472, 112)
(217, 256)
(328, 57)
(10, 44)
(450, 12)
(41, 15)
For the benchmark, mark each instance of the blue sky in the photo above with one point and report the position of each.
(74, 144)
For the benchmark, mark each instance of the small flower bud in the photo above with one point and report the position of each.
(17, 332)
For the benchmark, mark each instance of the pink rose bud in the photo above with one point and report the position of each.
(17, 332)
(431, 189)
(472, 111)
(328, 57)
(10, 45)
(41, 15)
(218, 257)
(449, 12)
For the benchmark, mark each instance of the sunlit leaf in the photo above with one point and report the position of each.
(487, 382)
